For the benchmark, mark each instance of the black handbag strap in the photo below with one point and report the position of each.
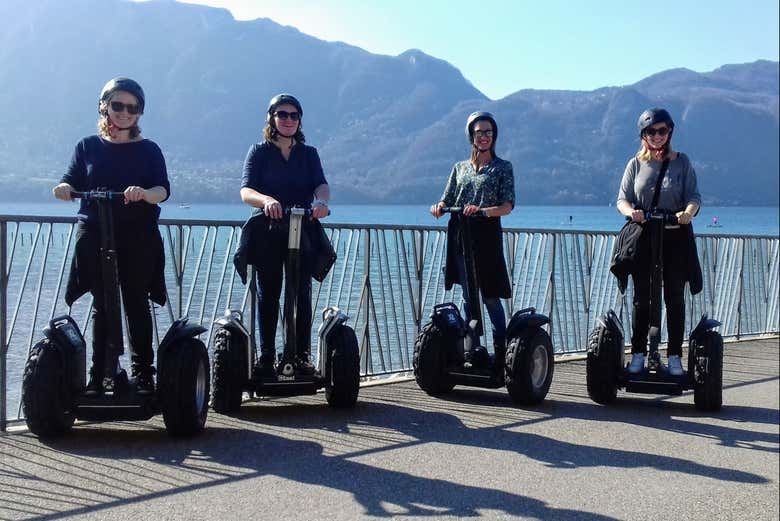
(660, 180)
(656, 195)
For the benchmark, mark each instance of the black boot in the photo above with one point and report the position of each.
(264, 366)
(476, 357)
(499, 346)
(144, 379)
(95, 384)
(303, 365)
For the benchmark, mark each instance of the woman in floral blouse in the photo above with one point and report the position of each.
(484, 187)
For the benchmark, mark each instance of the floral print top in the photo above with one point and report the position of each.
(493, 185)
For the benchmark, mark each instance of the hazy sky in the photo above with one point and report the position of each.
(502, 46)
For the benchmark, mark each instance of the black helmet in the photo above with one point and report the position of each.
(281, 99)
(127, 85)
(481, 116)
(652, 117)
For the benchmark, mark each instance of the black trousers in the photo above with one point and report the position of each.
(271, 272)
(137, 262)
(675, 253)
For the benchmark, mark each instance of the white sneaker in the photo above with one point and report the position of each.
(637, 364)
(675, 366)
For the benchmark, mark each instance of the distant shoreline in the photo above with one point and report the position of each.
(732, 220)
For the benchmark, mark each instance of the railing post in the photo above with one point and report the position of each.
(589, 251)
(179, 269)
(511, 243)
(741, 288)
(419, 260)
(252, 326)
(552, 288)
(3, 322)
(367, 290)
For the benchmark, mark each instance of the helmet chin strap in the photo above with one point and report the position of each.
(291, 139)
(657, 152)
(117, 127)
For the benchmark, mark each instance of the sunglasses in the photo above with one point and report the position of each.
(483, 133)
(118, 106)
(663, 131)
(283, 114)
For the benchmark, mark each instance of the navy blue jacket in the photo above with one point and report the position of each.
(290, 181)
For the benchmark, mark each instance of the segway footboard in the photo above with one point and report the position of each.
(605, 358)
(530, 358)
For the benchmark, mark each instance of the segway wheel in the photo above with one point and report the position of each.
(45, 394)
(430, 361)
(602, 365)
(228, 373)
(343, 368)
(708, 373)
(530, 362)
(183, 387)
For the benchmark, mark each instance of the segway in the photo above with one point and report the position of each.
(338, 363)
(53, 384)
(606, 368)
(448, 351)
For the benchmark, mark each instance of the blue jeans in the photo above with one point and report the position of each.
(493, 304)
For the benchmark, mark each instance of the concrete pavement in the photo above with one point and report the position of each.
(405, 455)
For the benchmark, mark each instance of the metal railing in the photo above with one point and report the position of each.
(386, 278)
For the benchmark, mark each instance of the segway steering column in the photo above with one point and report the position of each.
(109, 270)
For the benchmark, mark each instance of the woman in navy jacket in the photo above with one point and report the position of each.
(281, 172)
(119, 159)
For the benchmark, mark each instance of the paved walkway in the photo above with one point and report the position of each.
(405, 455)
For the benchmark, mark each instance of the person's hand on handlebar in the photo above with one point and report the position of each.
(273, 209)
(684, 217)
(319, 209)
(436, 209)
(133, 194)
(471, 209)
(62, 191)
(637, 215)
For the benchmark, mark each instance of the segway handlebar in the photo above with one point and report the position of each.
(664, 216)
(459, 210)
(287, 210)
(667, 217)
(97, 194)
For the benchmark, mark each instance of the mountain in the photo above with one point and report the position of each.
(388, 128)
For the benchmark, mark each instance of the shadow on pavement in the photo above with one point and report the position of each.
(244, 455)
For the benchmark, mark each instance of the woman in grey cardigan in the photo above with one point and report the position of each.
(679, 193)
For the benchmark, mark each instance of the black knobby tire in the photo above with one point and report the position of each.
(343, 368)
(708, 385)
(430, 361)
(228, 372)
(530, 363)
(183, 387)
(602, 366)
(46, 397)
